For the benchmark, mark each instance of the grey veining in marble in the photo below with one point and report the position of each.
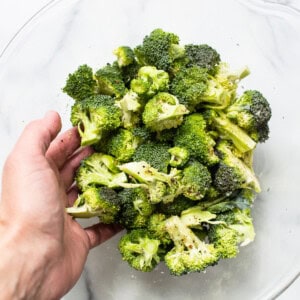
(265, 35)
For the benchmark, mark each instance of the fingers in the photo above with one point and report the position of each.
(38, 135)
(63, 147)
(68, 171)
(99, 233)
(72, 196)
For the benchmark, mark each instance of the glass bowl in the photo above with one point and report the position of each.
(265, 35)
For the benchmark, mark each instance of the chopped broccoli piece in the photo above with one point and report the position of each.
(81, 84)
(251, 112)
(193, 136)
(155, 154)
(135, 208)
(125, 56)
(110, 81)
(99, 170)
(163, 111)
(203, 56)
(149, 81)
(194, 87)
(189, 254)
(156, 226)
(232, 172)
(130, 108)
(179, 156)
(122, 145)
(159, 49)
(95, 116)
(100, 202)
(140, 250)
(175, 207)
(195, 181)
(230, 131)
(237, 230)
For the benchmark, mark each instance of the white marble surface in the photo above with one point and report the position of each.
(271, 48)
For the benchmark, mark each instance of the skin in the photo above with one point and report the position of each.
(43, 250)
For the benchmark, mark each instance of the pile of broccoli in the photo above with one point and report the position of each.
(173, 152)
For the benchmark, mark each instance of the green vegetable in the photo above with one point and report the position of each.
(174, 143)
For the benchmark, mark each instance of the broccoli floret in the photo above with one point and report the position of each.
(233, 173)
(236, 229)
(251, 112)
(140, 250)
(99, 170)
(175, 207)
(193, 136)
(110, 81)
(229, 131)
(159, 49)
(122, 145)
(163, 111)
(228, 78)
(135, 208)
(130, 108)
(160, 186)
(194, 216)
(190, 254)
(156, 226)
(195, 181)
(125, 56)
(203, 56)
(95, 116)
(155, 154)
(149, 81)
(100, 202)
(195, 87)
(81, 84)
(179, 156)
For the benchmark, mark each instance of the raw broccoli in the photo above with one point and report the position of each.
(203, 56)
(110, 81)
(229, 131)
(135, 208)
(156, 227)
(229, 78)
(233, 173)
(251, 112)
(159, 49)
(130, 107)
(189, 254)
(125, 56)
(175, 207)
(149, 81)
(193, 136)
(195, 87)
(81, 84)
(140, 250)
(163, 111)
(236, 229)
(94, 116)
(179, 156)
(99, 170)
(160, 186)
(122, 145)
(195, 181)
(155, 154)
(100, 202)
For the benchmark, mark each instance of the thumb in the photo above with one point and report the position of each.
(37, 135)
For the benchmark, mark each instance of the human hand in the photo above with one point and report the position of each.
(43, 249)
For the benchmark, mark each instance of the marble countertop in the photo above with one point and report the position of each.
(13, 15)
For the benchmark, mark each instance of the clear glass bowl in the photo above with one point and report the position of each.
(262, 34)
